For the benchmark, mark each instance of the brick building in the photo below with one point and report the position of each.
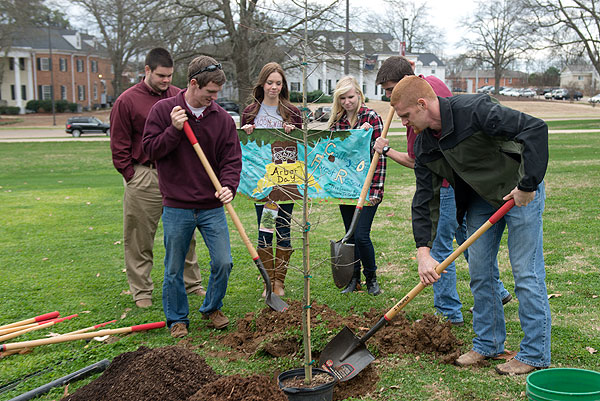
(81, 69)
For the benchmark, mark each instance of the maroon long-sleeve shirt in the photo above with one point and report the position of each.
(182, 179)
(127, 120)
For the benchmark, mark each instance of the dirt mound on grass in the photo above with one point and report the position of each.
(168, 373)
(270, 332)
(236, 387)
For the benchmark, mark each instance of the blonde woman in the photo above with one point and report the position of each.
(350, 112)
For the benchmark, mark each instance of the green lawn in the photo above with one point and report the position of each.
(61, 249)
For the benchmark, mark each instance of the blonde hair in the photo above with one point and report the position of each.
(410, 89)
(344, 85)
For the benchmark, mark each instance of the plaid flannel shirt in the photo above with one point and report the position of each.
(366, 115)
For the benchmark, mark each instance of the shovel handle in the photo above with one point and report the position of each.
(80, 336)
(40, 318)
(368, 180)
(215, 181)
(440, 268)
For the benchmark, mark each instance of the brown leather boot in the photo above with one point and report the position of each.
(282, 259)
(266, 257)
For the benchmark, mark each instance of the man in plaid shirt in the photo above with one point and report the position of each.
(350, 112)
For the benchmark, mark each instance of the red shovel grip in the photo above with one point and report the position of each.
(502, 211)
(148, 326)
(47, 316)
(189, 133)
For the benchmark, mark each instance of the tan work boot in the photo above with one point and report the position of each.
(470, 358)
(282, 259)
(143, 303)
(514, 367)
(201, 292)
(266, 257)
(218, 320)
(179, 330)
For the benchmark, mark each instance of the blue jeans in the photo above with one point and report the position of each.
(282, 226)
(179, 226)
(445, 296)
(525, 249)
(364, 252)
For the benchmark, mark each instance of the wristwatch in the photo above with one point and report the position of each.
(385, 150)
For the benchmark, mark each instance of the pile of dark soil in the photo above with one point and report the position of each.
(172, 374)
(268, 331)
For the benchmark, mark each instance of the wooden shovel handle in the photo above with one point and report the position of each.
(81, 336)
(374, 161)
(213, 178)
(440, 268)
(40, 318)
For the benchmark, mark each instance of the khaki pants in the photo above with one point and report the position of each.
(142, 209)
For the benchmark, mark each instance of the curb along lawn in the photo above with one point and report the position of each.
(61, 249)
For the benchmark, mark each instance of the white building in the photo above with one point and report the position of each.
(325, 61)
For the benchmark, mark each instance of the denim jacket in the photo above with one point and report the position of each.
(484, 148)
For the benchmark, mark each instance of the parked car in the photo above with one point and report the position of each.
(595, 99)
(527, 92)
(575, 95)
(485, 89)
(322, 113)
(560, 94)
(555, 92)
(81, 125)
(236, 117)
(228, 105)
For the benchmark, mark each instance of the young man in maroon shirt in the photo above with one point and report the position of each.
(142, 202)
(189, 197)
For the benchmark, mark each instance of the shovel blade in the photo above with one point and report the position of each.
(352, 364)
(342, 263)
(276, 303)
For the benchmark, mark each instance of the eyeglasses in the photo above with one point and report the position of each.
(209, 68)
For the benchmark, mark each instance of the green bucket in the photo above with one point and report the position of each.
(563, 384)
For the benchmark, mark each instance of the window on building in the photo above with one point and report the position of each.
(43, 64)
(486, 81)
(13, 96)
(22, 63)
(24, 92)
(320, 85)
(63, 64)
(81, 92)
(44, 92)
(11, 63)
(94, 66)
(364, 88)
(376, 89)
(510, 80)
(79, 65)
(63, 92)
(295, 86)
(329, 88)
(433, 70)
(95, 91)
(579, 78)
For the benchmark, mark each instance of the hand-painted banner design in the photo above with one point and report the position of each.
(274, 164)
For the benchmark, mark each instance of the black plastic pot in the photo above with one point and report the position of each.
(323, 392)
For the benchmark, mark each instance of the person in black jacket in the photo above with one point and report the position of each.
(490, 154)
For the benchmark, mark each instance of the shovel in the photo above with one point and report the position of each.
(346, 355)
(272, 300)
(342, 253)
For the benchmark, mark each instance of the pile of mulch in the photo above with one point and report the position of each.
(268, 332)
(172, 373)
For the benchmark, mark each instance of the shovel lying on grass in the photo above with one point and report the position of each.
(342, 253)
(272, 300)
(346, 354)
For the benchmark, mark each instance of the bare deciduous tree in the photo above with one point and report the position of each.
(124, 27)
(419, 32)
(499, 35)
(573, 26)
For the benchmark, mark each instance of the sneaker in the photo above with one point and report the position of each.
(217, 320)
(470, 358)
(201, 292)
(143, 303)
(179, 330)
(514, 367)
